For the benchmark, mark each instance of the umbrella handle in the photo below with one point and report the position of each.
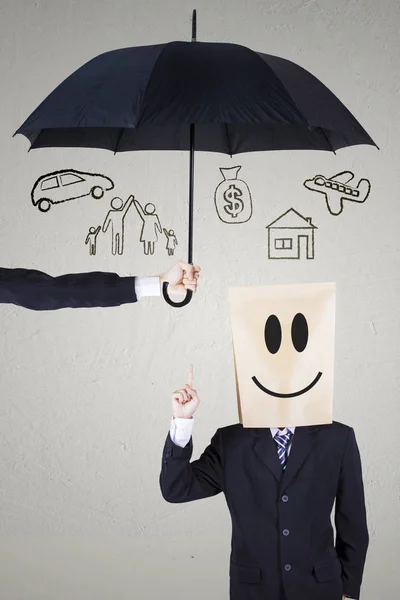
(168, 300)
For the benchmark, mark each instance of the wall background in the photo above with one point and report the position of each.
(85, 398)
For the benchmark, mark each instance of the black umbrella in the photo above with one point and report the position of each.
(213, 97)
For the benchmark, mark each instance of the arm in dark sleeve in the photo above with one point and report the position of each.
(350, 519)
(38, 291)
(184, 481)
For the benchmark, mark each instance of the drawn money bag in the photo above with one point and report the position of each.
(232, 198)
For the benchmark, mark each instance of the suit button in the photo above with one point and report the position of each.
(285, 498)
(286, 532)
(167, 456)
(288, 568)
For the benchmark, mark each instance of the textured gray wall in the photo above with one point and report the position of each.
(85, 395)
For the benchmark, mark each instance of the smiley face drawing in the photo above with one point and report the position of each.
(283, 341)
(273, 340)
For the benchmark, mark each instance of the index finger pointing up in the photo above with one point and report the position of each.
(190, 380)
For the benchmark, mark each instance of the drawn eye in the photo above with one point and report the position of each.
(273, 334)
(299, 332)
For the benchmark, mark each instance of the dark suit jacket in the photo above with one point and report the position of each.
(282, 536)
(39, 291)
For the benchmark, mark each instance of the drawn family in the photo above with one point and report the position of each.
(115, 221)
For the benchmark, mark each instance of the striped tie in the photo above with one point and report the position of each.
(282, 443)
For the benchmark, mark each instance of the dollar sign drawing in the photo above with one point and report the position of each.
(234, 204)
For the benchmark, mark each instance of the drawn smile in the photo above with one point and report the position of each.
(293, 394)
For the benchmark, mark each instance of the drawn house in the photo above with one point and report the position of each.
(291, 236)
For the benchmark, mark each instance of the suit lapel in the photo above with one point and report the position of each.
(303, 443)
(265, 449)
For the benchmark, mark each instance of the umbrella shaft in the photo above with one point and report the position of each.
(191, 164)
(194, 26)
(191, 194)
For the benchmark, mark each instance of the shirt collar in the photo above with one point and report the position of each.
(274, 430)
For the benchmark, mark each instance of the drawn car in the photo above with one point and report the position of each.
(62, 186)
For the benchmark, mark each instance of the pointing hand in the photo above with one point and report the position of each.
(185, 401)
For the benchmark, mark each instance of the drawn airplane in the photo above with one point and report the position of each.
(337, 188)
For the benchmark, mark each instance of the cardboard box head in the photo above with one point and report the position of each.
(283, 343)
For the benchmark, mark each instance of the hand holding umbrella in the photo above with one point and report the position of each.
(182, 278)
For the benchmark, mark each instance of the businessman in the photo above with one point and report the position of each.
(280, 482)
(38, 291)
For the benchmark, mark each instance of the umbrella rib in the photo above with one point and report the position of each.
(33, 140)
(140, 113)
(228, 140)
(121, 133)
(327, 139)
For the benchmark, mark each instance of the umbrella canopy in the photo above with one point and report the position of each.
(215, 97)
(145, 98)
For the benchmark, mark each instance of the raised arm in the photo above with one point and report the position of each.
(140, 210)
(185, 481)
(180, 479)
(127, 205)
(350, 519)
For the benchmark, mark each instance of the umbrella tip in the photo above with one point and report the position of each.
(194, 26)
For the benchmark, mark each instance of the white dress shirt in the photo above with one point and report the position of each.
(181, 431)
(147, 286)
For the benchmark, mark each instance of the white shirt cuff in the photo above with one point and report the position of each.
(147, 286)
(181, 431)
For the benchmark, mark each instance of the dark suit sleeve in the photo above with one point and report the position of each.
(185, 481)
(38, 291)
(350, 519)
